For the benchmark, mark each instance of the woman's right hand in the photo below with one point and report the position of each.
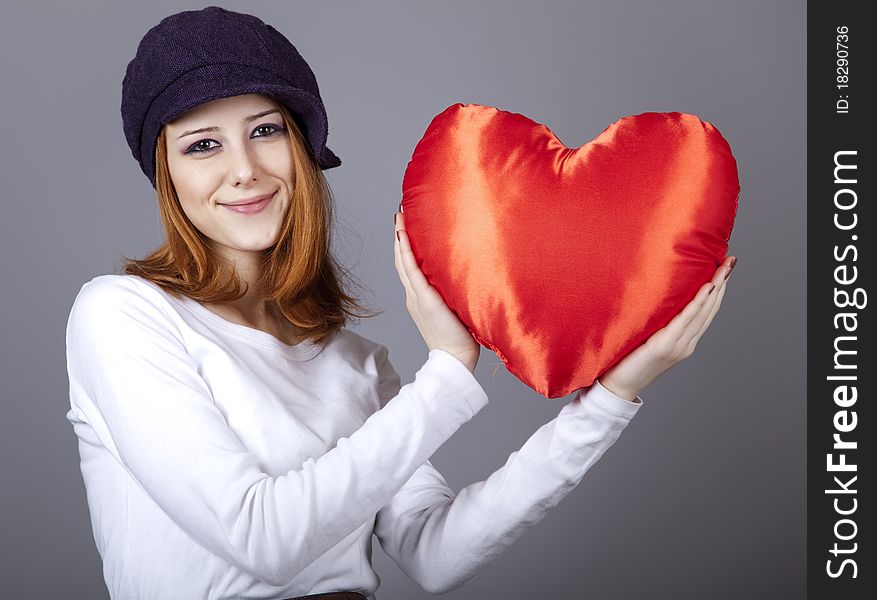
(438, 325)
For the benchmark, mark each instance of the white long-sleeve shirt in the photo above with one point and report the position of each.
(220, 462)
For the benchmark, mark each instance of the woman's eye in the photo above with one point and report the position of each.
(203, 146)
(199, 147)
(271, 130)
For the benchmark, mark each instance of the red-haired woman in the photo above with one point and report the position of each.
(236, 440)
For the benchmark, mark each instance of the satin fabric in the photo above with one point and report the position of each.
(560, 260)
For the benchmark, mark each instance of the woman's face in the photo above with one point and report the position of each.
(228, 151)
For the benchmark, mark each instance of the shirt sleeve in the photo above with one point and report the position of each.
(133, 381)
(441, 539)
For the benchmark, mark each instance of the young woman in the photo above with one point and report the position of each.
(236, 439)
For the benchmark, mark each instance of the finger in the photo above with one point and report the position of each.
(695, 335)
(418, 281)
(724, 271)
(422, 290)
(397, 255)
(713, 312)
(729, 263)
(693, 326)
(697, 323)
(678, 325)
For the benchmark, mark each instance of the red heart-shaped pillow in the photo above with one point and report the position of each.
(560, 260)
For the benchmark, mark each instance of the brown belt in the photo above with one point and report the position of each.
(332, 596)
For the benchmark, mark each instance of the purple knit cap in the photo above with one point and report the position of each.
(196, 56)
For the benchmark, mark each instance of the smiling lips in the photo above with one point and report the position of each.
(251, 207)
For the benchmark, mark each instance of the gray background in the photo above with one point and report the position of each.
(703, 495)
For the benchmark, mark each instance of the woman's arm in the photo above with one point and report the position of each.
(441, 539)
(133, 381)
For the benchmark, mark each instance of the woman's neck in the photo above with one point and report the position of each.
(250, 309)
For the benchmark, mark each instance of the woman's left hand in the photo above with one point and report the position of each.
(670, 345)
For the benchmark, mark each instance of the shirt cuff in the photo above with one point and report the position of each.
(613, 403)
(460, 377)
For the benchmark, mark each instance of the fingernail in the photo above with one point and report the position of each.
(395, 215)
(711, 290)
(397, 235)
(400, 207)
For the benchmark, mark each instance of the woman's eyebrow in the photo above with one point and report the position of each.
(246, 120)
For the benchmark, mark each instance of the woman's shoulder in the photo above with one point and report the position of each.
(113, 283)
(105, 297)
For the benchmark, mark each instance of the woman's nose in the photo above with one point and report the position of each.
(242, 164)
